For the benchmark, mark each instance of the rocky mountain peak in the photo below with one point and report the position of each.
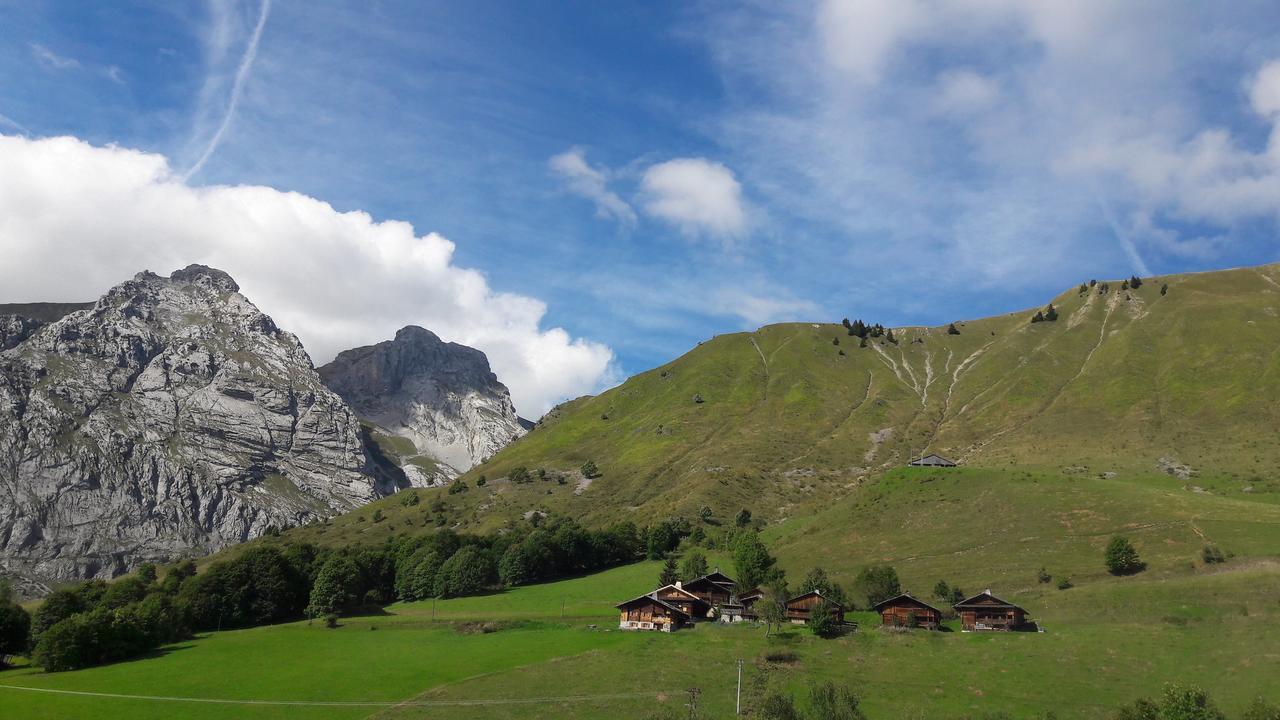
(172, 415)
(442, 396)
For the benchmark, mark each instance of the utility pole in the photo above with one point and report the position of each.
(738, 708)
(562, 607)
(433, 609)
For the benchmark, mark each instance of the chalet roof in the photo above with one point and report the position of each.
(932, 460)
(719, 578)
(711, 580)
(754, 593)
(811, 593)
(652, 598)
(899, 598)
(985, 599)
(680, 590)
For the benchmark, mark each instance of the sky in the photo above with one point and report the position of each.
(586, 190)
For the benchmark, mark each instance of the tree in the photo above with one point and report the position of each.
(147, 572)
(1038, 317)
(1164, 289)
(416, 574)
(879, 582)
(952, 329)
(1212, 555)
(458, 486)
(942, 591)
(835, 341)
(57, 606)
(752, 561)
(589, 470)
(773, 606)
(15, 625)
(670, 573)
(337, 586)
(1135, 282)
(466, 572)
(1051, 314)
(743, 519)
(519, 475)
(1122, 558)
(831, 702)
(513, 568)
(704, 513)
(817, 581)
(822, 621)
(888, 335)
(694, 565)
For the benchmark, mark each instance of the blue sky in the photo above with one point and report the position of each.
(629, 179)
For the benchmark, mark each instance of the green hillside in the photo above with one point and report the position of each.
(1131, 381)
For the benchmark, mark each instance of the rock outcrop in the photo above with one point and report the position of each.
(440, 396)
(171, 416)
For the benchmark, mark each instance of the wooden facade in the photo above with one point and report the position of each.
(647, 612)
(800, 607)
(712, 592)
(692, 605)
(907, 611)
(985, 611)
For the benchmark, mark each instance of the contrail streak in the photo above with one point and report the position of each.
(1126, 243)
(242, 74)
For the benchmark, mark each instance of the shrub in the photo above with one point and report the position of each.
(589, 470)
(952, 329)
(467, 572)
(1212, 555)
(1051, 314)
(331, 620)
(743, 518)
(482, 481)
(15, 625)
(1038, 317)
(1121, 557)
(519, 475)
(1064, 583)
(1043, 576)
(458, 486)
(1164, 289)
(822, 621)
(1260, 709)
(377, 515)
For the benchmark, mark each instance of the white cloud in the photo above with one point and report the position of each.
(591, 183)
(859, 35)
(964, 91)
(51, 59)
(78, 219)
(696, 195)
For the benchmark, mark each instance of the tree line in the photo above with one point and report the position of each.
(96, 622)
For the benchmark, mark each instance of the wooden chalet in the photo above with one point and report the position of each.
(800, 607)
(715, 588)
(985, 611)
(741, 606)
(692, 605)
(932, 460)
(907, 611)
(647, 612)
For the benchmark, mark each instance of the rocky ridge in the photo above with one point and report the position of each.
(172, 416)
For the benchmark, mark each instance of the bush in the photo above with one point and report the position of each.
(331, 620)
(458, 486)
(589, 470)
(822, 621)
(1121, 557)
(743, 518)
(952, 329)
(519, 475)
(1212, 555)
(1043, 576)
(377, 515)
(1051, 313)
(1064, 583)
(482, 481)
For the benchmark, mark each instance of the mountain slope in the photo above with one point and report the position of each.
(172, 415)
(1131, 380)
(441, 397)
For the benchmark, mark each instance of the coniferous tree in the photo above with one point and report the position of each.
(1135, 282)
(670, 573)
(1164, 289)
(952, 329)
(1121, 557)
(888, 335)
(1038, 317)
(1051, 314)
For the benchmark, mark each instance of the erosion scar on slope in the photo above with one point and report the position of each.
(762, 362)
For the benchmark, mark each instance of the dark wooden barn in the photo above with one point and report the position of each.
(647, 612)
(985, 611)
(800, 607)
(907, 611)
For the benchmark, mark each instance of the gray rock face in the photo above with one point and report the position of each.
(440, 396)
(171, 416)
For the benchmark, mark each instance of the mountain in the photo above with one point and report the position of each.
(19, 320)
(170, 416)
(1182, 383)
(440, 397)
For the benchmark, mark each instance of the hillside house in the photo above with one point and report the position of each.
(907, 611)
(985, 611)
(932, 460)
(676, 595)
(647, 612)
(741, 606)
(800, 607)
(715, 588)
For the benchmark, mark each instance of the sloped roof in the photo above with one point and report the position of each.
(811, 593)
(990, 602)
(680, 590)
(652, 597)
(932, 460)
(904, 596)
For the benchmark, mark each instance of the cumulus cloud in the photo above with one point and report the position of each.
(582, 179)
(80, 218)
(696, 195)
